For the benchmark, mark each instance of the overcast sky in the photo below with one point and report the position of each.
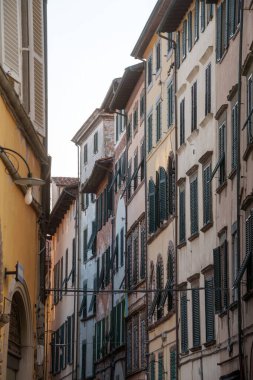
(89, 44)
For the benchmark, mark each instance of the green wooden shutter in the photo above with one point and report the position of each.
(234, 135)
(173, 365)
(135, 260)
(217, 279)
(163, 194)
(117, 252)
(218, 33)
(122, 246)
(160, 366)
(182, 122)
(143, 261)
(184, 323)
(129, 263)
(84, 350)
(208, 89)
(178, 49)
(152, 211)
(85, 245)
(203, 15)
(194, 205)
(249, 247)
(196, 20)
(69, 339)
(184, 39)
(195, 318)
(182, 215)
(225, 284)
(150, 133)
(73, 260)
(152, 367)
(207, 195)
(170, 275)
(222, 172)
(189, 31)
(158, 121)
(231, 17)
(209, 307)
(226, 31)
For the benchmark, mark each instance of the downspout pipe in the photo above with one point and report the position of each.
(238, 185)
(174, 45)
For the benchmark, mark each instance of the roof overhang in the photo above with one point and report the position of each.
(126, 86)
(109, 95)
(150, 28)
(173, 15)
(101, 168)
(68, 195)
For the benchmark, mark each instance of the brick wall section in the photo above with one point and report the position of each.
(109, 137)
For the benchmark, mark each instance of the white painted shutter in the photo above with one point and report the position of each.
(11, 38)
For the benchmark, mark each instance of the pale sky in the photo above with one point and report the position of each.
(89, 44)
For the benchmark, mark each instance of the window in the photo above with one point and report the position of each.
(209, 12)
(160, 366)
(182, 122)
(203, 15)
(152, 208)
(182, 215)
(142, 105)
(143, 255)
(234, 136)
(66, 269)
(95, 145)
(170, 277)
(194, 102)
(135, 258)
(249, 245)
(158, 56)
(209, 309)
(163, 195)
(234, 260)
(173, 365)
(159, 287)
(178, 59)
(85, 201)
(152, 367)
(85, 154)
(207, 195)
(135, 119)
(129, 346)
(122, 248)
(171, 185)
(136, 344)
(142, 159)
(143, 343)
(129, 129)
(85, 246)
(250, 109)
(129, 262)
(149, 71)
(184, 322)
(189, 31)
(220, 261)
(196, 20)
(83, 308)
(150, 133)
(158, 121)
(129, 189)
(84, 350)
(184, 39)
(116, 253)
(73, 261)
(222, 142)
(194, 205)
(170, 42)
(227, 19)
(208, 88)
(170, 104)
(195, 317)
(120, 124)
(136, 170)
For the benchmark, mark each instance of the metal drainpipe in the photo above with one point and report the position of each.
(146, 217)
(176, 208)
(238, 183)
(76, 299)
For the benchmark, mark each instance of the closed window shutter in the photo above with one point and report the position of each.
(208, 89)
(143, 261)
(150, 133)
(234, 135)
(182, 216)
(217, 278)
(189, 31)
(194, 106)
(152, 211)
(218, 33)
(184, 38)
(249, 109)
(160, 366)
(226, 31)
(163, 194)
(135, 258)
(170, 275)
(157, 202)
(69, 355)
(184, 323)
(182, 122)
(129, 263)
(84, 346)
(249, 247)
(194, 205)
(209, 307)
(178, 59)
(203, 15)
(85, 245)
(122, 248)
(207, 195)
(222, 172)
(129, 347)
(173, 365)
(231, 17)
(152, 367)
(158, 121)
(171, 186)
(170, 104)
(224, 257)
(195, 317)
(11, 21)
(196, 20)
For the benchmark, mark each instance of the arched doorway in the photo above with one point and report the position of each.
(20, 355)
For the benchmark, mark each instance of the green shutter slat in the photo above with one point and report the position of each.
(173, 365)
(184, 324)
(209, 307)
(217, 279)
(143, 261)
(152, 209)
(182, 216)
(150, 133)
(163, 194)
(194, 205)
(160, 366)
(207, 195)
(195, 317)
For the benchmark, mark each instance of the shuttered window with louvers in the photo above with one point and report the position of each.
(171, 186)
(182, 215)
(129, 347)
(170, 276)
(218, 33)
(217, 279)
(222, 171)
(160, 366)
(143, 255)
(194, 206)
(208, 88)
(203, 15)
(249, 247)
(85, 249)
(195, 318)
(135, 260)
(196, 20)
(207, 195)
(194, 106)
(184, 39)
(173, 365)
(170, 104)
(158, 121)
(184, 323)
(11, 46)
(129, 262)
(249, 109)
(178, 48)
(152, 367)
(182, 122)
(152, 208)
(234, 135)
(150, 133)
(190, 31)
(163, 194)
(209, 307)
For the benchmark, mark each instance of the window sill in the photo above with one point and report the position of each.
(181, 245)
(223, 313)
(232, 174)
(193, 236)
(207, 226)
(183, 354)
(221, 187)
(233, 306)
(193, 135)
(211, 343)
(247, 152)
(197, 348)
(247, 296)
(160, 229)
(181, 148)
(161, 320)
(206, 119)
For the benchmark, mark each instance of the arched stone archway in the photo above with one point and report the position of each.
(20, 355)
